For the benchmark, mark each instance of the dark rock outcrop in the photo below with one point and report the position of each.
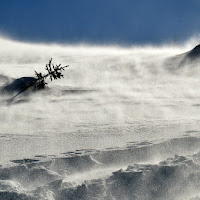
(19, 84)
(189, 58)
(194, 53)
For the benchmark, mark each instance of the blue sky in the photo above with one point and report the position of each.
(100, 21)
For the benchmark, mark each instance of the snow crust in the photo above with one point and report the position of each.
(157, 170)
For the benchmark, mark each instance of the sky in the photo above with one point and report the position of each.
(100, 21)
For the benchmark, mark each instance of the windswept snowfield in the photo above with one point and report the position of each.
(123, 123)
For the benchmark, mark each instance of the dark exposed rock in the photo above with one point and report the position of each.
(194, 53)
(19, 84)
(188, 58)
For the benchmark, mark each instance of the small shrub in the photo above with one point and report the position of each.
(53, 72)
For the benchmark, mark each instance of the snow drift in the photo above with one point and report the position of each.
(157, 170)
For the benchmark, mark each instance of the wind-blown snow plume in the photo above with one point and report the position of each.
(145, 96)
